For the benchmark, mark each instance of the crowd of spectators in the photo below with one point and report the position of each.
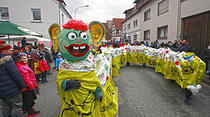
(21, 70)
(177, 46)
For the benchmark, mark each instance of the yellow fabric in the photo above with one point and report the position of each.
(158, 66)
(151, 61)
(141, 58)
(122, 59)
(173, 73)
(82, 102)
(115, 66)
(129, 57)
(165, 66)
(134, 58)
(190, 70)
(36, 68)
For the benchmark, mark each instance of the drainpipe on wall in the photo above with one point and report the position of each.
(178, 35)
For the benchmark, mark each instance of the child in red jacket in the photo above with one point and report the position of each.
(29, 92)
(44, 68)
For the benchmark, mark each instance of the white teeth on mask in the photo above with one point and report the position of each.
(76, 48)
(83, 47)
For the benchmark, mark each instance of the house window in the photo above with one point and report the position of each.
(119, 32)
(135, 23)
(128, 26)
(147, 15)
(4, 14)
(135, 37)
(36, 14)
(163, 7)
(147, 35)
(162, 32)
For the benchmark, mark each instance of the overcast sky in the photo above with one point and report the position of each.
(98, 10)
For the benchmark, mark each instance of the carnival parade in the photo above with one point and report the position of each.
(70, 68)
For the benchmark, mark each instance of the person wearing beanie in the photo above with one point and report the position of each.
(11, 84)
(58, 61)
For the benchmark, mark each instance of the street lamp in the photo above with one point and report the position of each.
(77, 9)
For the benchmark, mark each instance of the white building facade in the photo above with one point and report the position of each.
(156, 20)
(36, 15)
(131, 28)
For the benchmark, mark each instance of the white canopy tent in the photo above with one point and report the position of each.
(13, 40)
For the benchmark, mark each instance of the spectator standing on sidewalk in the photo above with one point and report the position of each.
(58, 61)
(28, 94)
(44, 68)
(207, 60)
(11, 83)
(183, 46)
(35, 62)
(54, 54)
(16, 51)
(47, 56)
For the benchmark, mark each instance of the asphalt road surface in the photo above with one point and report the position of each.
(141, 93)
(144, 93)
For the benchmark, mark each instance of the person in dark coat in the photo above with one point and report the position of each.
(47, 55)
(207, 60)
(23, 42)
(184, 46)
(11, 83)
(16, 51)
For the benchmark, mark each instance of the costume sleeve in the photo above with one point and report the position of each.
(98, 92)
(63, 85)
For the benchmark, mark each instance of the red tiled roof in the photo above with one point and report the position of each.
(118, 23)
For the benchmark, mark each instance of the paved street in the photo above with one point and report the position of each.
(48, 101)
(141, 93)
(144, 93)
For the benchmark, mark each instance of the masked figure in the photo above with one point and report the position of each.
(80, 91)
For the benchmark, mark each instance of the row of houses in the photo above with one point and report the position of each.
(165, 20)
(147, 20)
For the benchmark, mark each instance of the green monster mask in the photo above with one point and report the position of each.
(74, 41)
(75, 45)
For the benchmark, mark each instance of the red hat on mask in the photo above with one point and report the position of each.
(76, 25)
(4, 47)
